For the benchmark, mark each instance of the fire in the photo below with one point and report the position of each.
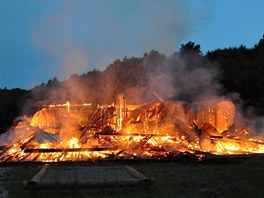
(73, 143)
(14, 149)
(79, 132)
(237, 147)
(68, 106)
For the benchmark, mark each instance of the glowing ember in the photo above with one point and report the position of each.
(68, 106)
(68, 132)
(73, 143)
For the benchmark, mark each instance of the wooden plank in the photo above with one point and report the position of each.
(82, 177)
(39, 176)
(137, 174)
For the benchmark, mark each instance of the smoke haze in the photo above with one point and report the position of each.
(71, 40)
(70, 43)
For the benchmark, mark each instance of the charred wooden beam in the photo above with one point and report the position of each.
(24, 145)
(131, 134)
(144, 140)
(50, 150)
(6, 158)
(119, 152)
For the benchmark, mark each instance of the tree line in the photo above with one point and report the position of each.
(184, 75)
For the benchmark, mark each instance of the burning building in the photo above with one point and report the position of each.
(83, 132)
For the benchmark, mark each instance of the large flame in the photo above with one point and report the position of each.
(79, 132)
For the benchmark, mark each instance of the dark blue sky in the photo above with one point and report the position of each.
(41, 39)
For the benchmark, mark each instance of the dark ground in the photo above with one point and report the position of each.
(236, 178)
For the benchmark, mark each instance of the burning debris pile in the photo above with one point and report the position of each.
(67, 132)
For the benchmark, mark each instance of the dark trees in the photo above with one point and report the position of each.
(241, 71)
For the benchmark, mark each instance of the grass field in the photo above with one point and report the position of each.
(239, 178)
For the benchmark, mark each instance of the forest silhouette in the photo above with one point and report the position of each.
(234, 72)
